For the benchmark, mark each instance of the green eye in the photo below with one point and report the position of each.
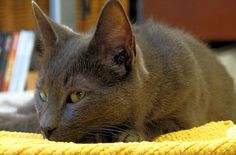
(76, 97)
(43, 96)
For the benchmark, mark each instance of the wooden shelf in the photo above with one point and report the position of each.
(210, 20)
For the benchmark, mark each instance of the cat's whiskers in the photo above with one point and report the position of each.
(106, 130)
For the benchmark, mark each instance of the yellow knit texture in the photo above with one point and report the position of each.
(212, 138)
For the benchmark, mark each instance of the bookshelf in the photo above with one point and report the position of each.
(17, 44)
(208, 20)
(17, 15)
(17, 71)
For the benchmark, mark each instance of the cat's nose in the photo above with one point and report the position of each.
(47, 131)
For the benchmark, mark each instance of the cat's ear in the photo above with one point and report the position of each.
(44, 27)
(114, 32)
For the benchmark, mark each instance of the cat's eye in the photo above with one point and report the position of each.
(76, 96)
(43, 96)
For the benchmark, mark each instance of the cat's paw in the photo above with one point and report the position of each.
(130, 136)
(3, 118)
(9, 119)
(3, 121)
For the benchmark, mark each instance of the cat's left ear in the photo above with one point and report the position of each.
(114, 33)
(45, 27)
(49, 34)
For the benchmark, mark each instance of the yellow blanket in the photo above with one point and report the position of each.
(212, 138)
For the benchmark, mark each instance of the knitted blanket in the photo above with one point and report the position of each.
(212, 138)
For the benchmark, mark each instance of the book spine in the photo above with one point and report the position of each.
(6, 49)
(11, 58)
(2, 42)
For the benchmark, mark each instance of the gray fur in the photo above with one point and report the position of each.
(141, 81)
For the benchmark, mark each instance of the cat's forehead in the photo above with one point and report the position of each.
(71, 51)
(67, 56)
(75, 45)
(77, 57)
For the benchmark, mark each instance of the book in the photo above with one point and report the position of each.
(22, 61)
(10, 61)
(6, 49)
(2, 43)
(31, 80)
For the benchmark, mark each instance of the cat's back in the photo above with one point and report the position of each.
(162, 44)
(187, 65)
(157, 39)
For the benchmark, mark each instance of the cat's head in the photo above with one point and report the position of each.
(87, 84)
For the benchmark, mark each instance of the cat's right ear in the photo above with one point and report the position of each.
(44, 26)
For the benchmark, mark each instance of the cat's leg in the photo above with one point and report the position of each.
(19, 122)
(25, 119)
(151, 130)
(157, 128)
(133, 134)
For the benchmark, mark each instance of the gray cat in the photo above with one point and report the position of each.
(124, 83)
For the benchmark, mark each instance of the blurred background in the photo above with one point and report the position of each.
(212, 21)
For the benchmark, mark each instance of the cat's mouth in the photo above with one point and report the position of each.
(104, 135)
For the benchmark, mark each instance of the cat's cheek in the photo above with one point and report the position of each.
(68, 112)
(38, 105)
